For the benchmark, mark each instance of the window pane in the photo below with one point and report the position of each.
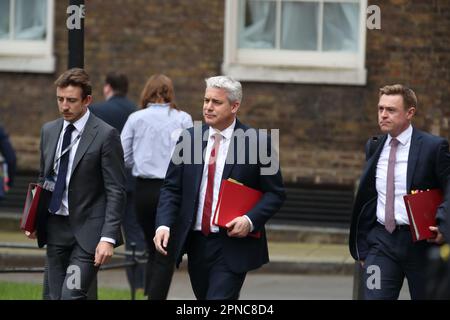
(4, 19)
(257, 24)
(340, 29)
(31, 19)
(299, 25)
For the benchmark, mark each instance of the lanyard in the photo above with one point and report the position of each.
(70, 146)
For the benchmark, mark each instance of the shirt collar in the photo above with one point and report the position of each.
(163, 105)
(80, 123)
(403, 137)
(226, 133)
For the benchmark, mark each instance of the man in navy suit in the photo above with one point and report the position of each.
(115, 111)
(402, 160)
(116, 108)
(218, 259)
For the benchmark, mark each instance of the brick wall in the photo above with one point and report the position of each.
(323, 127)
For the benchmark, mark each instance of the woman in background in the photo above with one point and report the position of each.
(148, 139)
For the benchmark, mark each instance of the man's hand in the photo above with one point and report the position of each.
(103, 253)
(238, 227)
(439, 239)
(161, 239)
(30, 235)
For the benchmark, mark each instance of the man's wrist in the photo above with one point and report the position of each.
(109, 240)
(250, 222)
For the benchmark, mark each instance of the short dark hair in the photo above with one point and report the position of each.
(118, 82)
(409, 97)
(76, 77)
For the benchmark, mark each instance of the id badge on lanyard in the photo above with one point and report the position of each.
(50, 180)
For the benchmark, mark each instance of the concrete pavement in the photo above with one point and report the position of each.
(306, 263)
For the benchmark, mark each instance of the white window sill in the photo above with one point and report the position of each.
(34, 64)
(296, 74)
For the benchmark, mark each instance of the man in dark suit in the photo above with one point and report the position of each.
(115, 111)
(9, 157)
(402, 160)
(82, 157)
(116, 108)
(218, 259)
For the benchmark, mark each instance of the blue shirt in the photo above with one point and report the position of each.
(149, 138)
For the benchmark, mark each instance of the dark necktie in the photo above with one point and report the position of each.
(207, 207)
(389, 218)
(60, 185)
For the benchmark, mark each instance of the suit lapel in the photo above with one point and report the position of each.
(414, 151)
(232, 156)
(198, 168)
(86, 139)
(51, 145)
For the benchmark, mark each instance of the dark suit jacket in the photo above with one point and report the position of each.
(96, 191)
(179, 199)
(428, 168)
(7, 151)
(115, 112)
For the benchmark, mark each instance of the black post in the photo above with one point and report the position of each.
(75, 26)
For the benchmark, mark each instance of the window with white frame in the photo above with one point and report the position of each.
(311, 41)
(26, 36)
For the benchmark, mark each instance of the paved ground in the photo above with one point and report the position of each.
(258, 286)
(306, 263)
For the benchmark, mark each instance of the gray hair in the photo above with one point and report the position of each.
(231, 86)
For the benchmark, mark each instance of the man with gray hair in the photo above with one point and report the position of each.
(219, 258)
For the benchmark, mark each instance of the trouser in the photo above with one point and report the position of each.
(391, 258)
(210, 276)
(71, 269)
(160, 268)
(133, 233)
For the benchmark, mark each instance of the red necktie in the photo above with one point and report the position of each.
(207, 207)
(389, 216)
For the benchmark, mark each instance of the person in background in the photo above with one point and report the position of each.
(148, 139)
(7, 163)
(115, 111)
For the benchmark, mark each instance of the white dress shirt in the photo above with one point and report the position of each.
(401, 167)
(79, 127)
(149, 138)
(220, 165)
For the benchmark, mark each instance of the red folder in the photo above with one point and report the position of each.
(235, 200)
(30, 210)
(421, 208)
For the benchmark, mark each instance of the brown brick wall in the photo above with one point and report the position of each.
(323, 128)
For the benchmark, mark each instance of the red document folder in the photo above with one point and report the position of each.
(235, 200)
(30, 210)
(421, 208)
